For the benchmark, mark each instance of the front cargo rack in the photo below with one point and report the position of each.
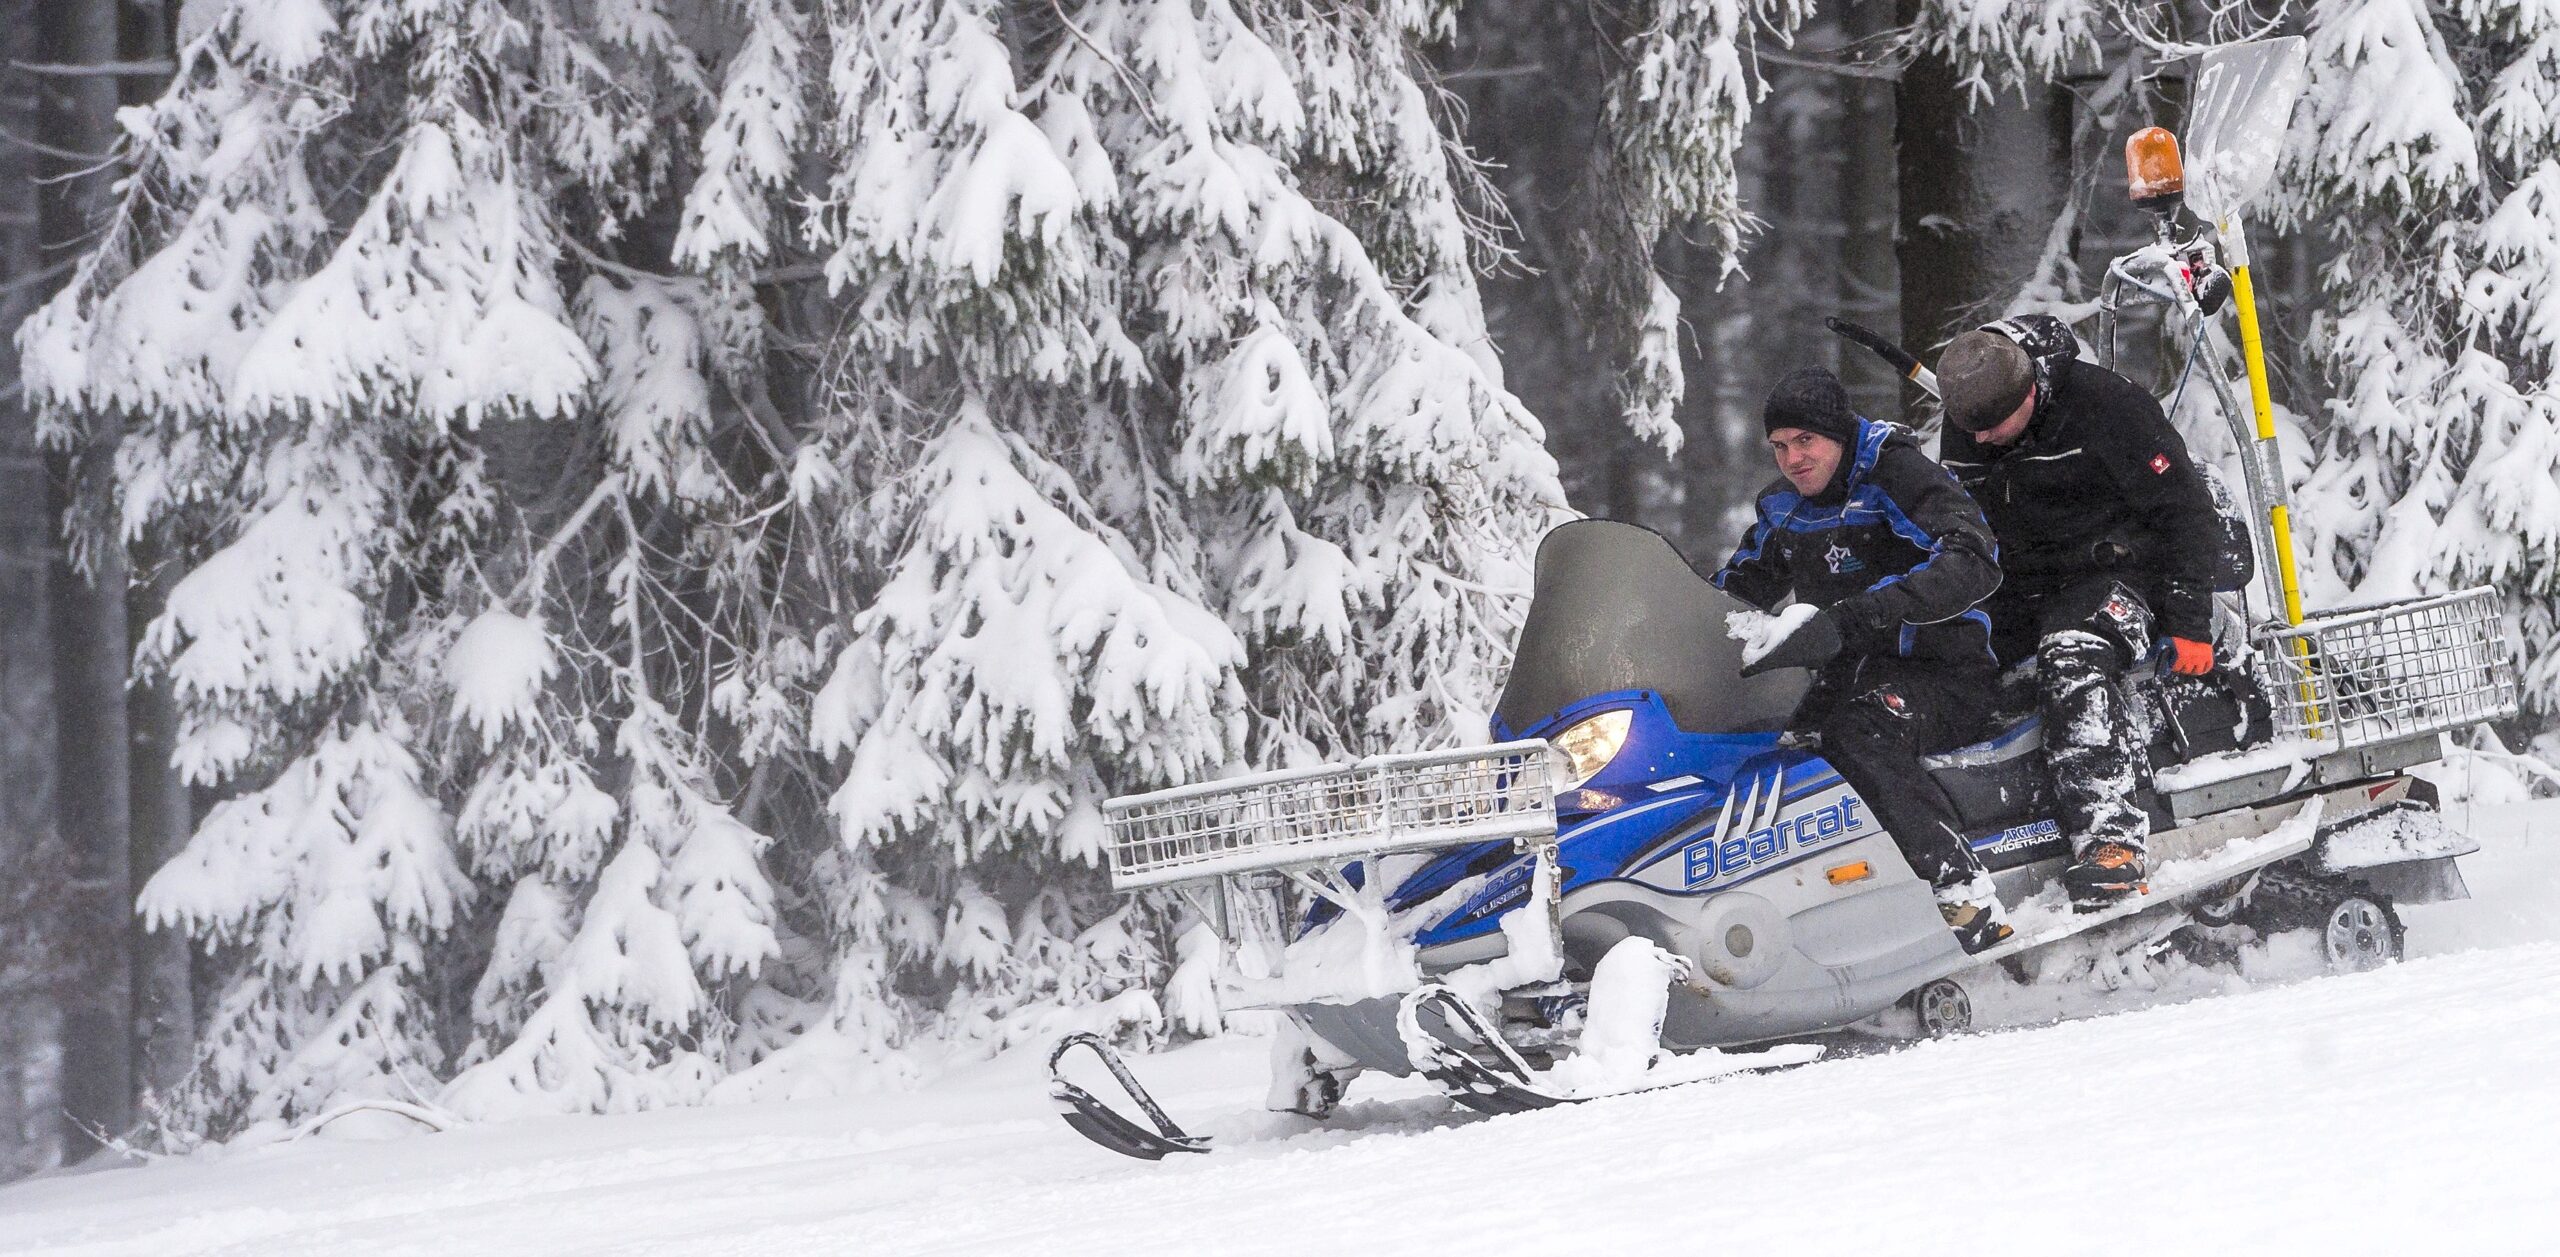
(1307, 818)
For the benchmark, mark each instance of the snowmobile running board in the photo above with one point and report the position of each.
(1105, 1125)
(2175, 880)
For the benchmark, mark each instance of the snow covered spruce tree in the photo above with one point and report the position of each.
(296, 398)
(323, 355)
(1673, 118)
(653, 613)
(2440, 464)
(1171, 428)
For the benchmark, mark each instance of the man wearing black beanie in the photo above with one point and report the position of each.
(1866, 526)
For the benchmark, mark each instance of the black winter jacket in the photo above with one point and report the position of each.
(2099, 482)
(1893, 548)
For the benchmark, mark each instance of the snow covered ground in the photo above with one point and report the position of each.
(2414, 1109)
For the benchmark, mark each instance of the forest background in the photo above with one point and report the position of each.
(493, 486)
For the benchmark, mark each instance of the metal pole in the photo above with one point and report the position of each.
(2253, 355)
(2279, 511)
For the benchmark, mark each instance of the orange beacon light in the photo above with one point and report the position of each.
(2152, 174)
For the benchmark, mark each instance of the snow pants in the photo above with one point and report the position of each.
(2084, 632)
(1876, 717)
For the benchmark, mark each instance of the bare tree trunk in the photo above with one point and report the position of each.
(164, 817)
(1870, 273)
(1980, 191)
(30, 1099)
(1531, 82)
(1934, 249)
(93, 811)
(163, 808)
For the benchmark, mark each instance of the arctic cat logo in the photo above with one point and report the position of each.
(2017, 838)
(1504, 889)
(1839, 559)
(1708, 859)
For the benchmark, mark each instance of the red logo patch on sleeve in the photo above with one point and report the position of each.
(2159, 464)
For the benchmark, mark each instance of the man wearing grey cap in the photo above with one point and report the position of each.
(2108, 537)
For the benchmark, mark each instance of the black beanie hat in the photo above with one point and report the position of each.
(1983, 378)
(1812, 399)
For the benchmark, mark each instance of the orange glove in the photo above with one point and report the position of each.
(2190, 658)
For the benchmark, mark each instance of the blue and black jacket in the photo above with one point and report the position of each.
(1894, 548)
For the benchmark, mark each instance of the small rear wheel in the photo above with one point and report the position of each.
(2360, 931)
(2223, 904)
(1943, 1007)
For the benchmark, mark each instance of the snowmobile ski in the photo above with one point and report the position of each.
(1107, 1126)
(1504, 1085)
(1507, 1084)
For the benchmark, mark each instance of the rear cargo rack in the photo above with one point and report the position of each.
(2383, 673)
(1311, 818)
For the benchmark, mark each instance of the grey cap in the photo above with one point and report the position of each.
(1982, 378)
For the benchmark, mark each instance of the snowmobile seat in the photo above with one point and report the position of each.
(2003, 795)
(1999, 780)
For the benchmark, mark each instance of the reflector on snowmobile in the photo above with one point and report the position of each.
(1332, 815)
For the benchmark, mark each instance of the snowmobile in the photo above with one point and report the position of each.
(1641, 869)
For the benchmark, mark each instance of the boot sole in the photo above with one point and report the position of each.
(2102, 897)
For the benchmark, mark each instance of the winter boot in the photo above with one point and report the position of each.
(2104, 874)
(1972, 910)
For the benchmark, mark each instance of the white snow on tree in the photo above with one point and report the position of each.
(1013, 642)
(674, 514)
(1674, 117)
(2425, 152)
(2011, 44)
(748, 152)
(324, 877)
(333, 878)
(950, 219)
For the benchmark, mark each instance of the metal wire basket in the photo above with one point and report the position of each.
(1330, 815)
(2376, 674)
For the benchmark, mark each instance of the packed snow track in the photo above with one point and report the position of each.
(2410, 1109)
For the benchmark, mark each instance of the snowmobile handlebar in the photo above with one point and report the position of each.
(1903, 360)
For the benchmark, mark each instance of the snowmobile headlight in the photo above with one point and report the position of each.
(1589, 745)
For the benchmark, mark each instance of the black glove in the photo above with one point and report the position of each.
(1814, 643)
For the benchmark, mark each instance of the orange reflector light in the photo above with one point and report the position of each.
(2151, 168)
(1843, 874)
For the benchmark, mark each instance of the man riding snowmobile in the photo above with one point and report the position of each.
(1865, 527)
(2107, 533)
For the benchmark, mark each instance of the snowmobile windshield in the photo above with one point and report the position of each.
(1617, 608)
